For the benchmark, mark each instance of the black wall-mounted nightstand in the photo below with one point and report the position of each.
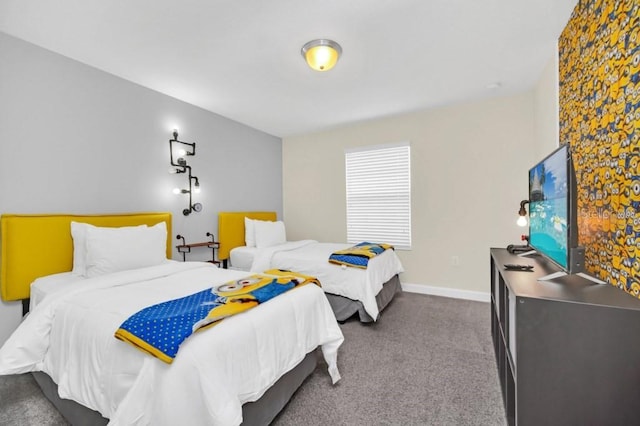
(185, 248)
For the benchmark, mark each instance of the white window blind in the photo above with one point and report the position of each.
(379, 195)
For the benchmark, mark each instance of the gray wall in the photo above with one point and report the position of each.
(74, 139)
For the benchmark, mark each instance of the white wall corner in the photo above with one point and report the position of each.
(455, 293)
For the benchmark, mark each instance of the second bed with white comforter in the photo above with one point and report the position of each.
(311, 257)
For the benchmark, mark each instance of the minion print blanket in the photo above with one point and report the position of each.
(359, 255)
(160, 329)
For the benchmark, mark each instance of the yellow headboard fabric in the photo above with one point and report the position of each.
(231, 229)
(35, 245)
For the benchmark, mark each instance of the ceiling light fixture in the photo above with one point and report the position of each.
(321, 54)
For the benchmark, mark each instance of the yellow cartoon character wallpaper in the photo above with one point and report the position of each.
(599, 79)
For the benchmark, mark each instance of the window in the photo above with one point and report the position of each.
(379, 194)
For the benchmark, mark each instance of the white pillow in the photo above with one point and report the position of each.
(78, 233)
(249, 232)
(79, 236)
(119, 249)
(269, 233)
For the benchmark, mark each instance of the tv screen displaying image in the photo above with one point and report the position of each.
(549, 207)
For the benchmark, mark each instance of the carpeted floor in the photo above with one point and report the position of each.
(428, 361)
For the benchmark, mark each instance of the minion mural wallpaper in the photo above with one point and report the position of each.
(599, 65)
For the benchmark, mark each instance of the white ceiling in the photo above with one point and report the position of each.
(241, 58)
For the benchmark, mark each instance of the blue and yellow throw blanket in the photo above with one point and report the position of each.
(160, 329)
(359, 255)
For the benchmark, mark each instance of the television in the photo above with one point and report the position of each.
(553, 215)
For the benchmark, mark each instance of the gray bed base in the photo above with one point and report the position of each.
(344, 308)
(260, 412)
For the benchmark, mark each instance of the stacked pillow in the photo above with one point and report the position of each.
(262, 233)
(99, 251)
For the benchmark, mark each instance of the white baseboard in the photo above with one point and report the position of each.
(455, 293)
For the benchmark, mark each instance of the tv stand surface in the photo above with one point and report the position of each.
(553, 276)
(527, 253)
(566, 349)
(572, 281)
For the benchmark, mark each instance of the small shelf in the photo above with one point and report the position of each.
(186, 248)
(210, 244)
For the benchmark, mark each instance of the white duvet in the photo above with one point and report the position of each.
(312, 258)
(69, 336)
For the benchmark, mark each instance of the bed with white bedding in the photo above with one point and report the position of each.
(218, 373)
(350, 290)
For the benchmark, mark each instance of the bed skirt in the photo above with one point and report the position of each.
(344, 308)
(260, 412)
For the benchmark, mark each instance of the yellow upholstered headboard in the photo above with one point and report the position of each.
(231, 229)
(36, 245)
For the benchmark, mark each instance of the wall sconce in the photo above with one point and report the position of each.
(321, 54)
(178, 151)
(522, 219)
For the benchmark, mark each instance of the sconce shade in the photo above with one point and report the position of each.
(522, 213)
(321, 54)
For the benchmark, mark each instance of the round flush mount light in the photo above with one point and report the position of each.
(321, 54)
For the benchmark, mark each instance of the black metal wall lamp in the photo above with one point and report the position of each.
(178, 152)
(522, 214)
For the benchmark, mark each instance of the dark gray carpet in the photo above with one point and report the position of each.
(22, 403)
(428, 361)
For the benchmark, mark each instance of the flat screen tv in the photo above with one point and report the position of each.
(553, 226)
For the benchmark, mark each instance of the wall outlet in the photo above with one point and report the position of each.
(455, 261)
